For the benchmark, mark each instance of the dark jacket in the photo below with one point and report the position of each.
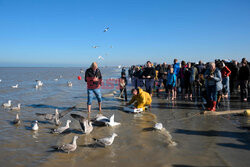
(149, 71)
(90, 74)
(161, 74)
(244, 73)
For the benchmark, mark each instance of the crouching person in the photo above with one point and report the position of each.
(140, 98)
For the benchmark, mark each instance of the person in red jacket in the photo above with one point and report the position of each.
(225, 73)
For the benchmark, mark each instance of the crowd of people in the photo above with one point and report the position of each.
(208, 81)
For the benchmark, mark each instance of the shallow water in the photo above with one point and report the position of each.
(201, 140)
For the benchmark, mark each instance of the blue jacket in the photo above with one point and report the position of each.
(171, 79)
(176, 68)
(215, 81)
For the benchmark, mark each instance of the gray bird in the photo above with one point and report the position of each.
(86, 125)
(17, 120)
(107, 141)
(68, 147)
(62, 129)
(106, 29)
(48, 116)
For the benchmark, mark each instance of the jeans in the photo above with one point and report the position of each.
(91, 93)
(212, 93)
(149, 83)
(225, 83)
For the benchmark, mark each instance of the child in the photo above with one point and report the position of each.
(123, 90)
(171, 80)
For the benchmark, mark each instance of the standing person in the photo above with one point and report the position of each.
(93, 77)
(181, 75)
(171, 83)
(162, 77)
(243, 78)
(137, 77)
(176, 67)
(188, 87)
(149, 75)
(225, 73)
(234, 76)
(213, 84)
(123, 84)
(193, 80)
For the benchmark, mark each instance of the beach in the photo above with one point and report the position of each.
(202, 140)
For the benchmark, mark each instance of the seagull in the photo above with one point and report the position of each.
(158, 126)
(16, 86)
(39, 83)
(67, 147)
(70, 84)
(81, 71)
(0, 80)
(107, 141)
(112, 122)
(48, 116)
(17, 120)
(56, 79)
(86, 125)
(100, 120)
(100, 57)
(95, 46)
(18, 107)
(56, 118)
(106, 29)
(7, 105)
(111, 46)
(34, 126)
(62, 129)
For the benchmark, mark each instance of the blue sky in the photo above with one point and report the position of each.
(62, 32)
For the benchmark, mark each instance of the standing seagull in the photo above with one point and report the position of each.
(18, 107)
(69, 83)
(106, 29)
(67, 147)
(107, 141)
(86, 125)
(56, 118)
(34, 126)
(62, 129)
(7, 105)
(17, 120)
(16, 86)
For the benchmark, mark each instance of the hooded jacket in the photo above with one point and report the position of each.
(142, 99)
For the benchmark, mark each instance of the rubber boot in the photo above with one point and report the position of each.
(213, 106)
(209, 105)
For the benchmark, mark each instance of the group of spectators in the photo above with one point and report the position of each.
(210, 81)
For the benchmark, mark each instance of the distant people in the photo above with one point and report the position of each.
(243, 78)
(181, 75)
(93, 77)
(140, 98)
(149, 75)
(193, 80)
(213, 84)
(171, 83)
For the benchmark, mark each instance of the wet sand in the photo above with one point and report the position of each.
(202, 140)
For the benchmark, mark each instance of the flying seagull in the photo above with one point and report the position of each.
(106, 29)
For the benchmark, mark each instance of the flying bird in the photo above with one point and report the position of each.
(106, 29)
(95, 46)
(100, 57)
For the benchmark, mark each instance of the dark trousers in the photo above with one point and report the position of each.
(149, 83)
(124, 92)
(244, 89)
(212, 93)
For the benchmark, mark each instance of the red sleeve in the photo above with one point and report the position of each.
(228, 71)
